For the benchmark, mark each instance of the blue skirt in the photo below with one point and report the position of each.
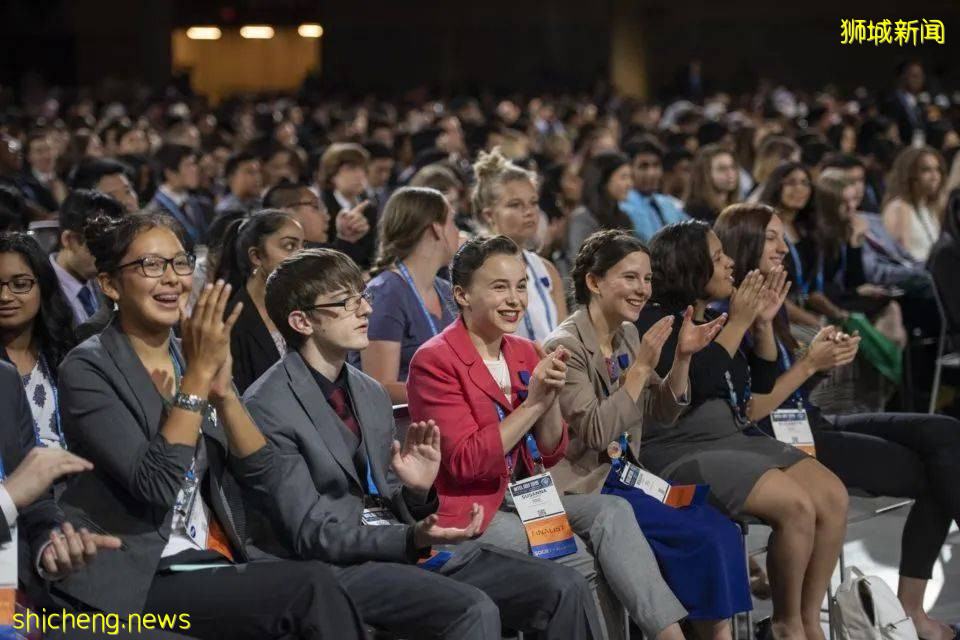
(700, 552)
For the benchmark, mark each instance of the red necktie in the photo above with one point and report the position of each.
(338, 400)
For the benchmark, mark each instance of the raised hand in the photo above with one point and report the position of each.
(71, 550)
(773, 294)
(694, 337)
(548, 376)
(745, 303)
(351, 224)
(651, 344)
(205, 332)
(40, 468)
(417, 461)
(426, 532)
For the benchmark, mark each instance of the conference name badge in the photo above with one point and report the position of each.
(538, 504)
(681, 495)
(791, 426)
(8, 584)
(378, 517)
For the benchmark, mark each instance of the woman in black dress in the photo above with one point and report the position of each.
(713, 441)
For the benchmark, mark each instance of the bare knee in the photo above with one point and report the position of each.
(795, 512)
(834, 500)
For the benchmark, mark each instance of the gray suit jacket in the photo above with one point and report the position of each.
(112, 414)
(597, 410)
(318, 505)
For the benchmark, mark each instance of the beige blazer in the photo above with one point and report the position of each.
(597, 411)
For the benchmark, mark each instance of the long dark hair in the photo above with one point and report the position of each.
(742, 230)
(681, 264)
(234, 266)
(596, 175)
(53, 325)
(773, 190)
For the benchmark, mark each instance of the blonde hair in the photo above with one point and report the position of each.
(407, 215)
(493, 170)
(773, 150)
(902, 179)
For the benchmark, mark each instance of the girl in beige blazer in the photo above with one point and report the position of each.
(611, 389)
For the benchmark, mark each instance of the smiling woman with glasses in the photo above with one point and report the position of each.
(160, 419)
(36, 328)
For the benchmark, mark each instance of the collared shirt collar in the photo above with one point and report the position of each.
(177, 198)
(71, 287)
(327, 387)
(342, 200)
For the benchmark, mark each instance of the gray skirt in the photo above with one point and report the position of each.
(707, 446)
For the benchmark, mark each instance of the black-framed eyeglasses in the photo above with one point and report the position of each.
(155, 266)
(18, 286)
(349, 304)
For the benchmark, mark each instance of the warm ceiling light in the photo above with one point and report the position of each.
(256, 32)
(310, 30)
(203, 33)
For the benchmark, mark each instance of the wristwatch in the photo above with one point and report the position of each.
(187, 402)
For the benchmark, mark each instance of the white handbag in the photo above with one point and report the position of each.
(865, 608)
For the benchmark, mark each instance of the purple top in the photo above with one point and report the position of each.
(398, 317)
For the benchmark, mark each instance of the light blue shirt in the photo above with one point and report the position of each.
(644, 216)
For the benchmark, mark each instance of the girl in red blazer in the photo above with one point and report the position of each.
(495, 399)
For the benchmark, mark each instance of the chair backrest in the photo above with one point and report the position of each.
(401, 418)
(46, 233)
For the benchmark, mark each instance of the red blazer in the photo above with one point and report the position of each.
(449, 382)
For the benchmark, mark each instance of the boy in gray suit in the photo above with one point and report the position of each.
(349, 494)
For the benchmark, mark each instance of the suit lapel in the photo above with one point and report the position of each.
(458, 339)
(371, 429)
(135, 376)
(322, 416)
(588, 336)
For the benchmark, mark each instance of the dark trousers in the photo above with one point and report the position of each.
(903, 455)
(480, 589)
(269, 599)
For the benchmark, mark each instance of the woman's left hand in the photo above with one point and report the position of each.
(772, 296)
(695, 337)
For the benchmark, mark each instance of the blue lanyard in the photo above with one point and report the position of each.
(423, 306)
(527, 439)
(543, 298)
(798, 265)
(739, 410)
(45, 371)
(785, 362)
(180, 215)
(371, 485)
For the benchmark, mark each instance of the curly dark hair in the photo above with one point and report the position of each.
(598, 253)
(681, 264)
(54, 324)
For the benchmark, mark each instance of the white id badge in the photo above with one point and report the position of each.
(543, 516)
(198, 522)
(8, 560)
(378, 517)
(791, 426)
(650, 483)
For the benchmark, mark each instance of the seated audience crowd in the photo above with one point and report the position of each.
(324, 368)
